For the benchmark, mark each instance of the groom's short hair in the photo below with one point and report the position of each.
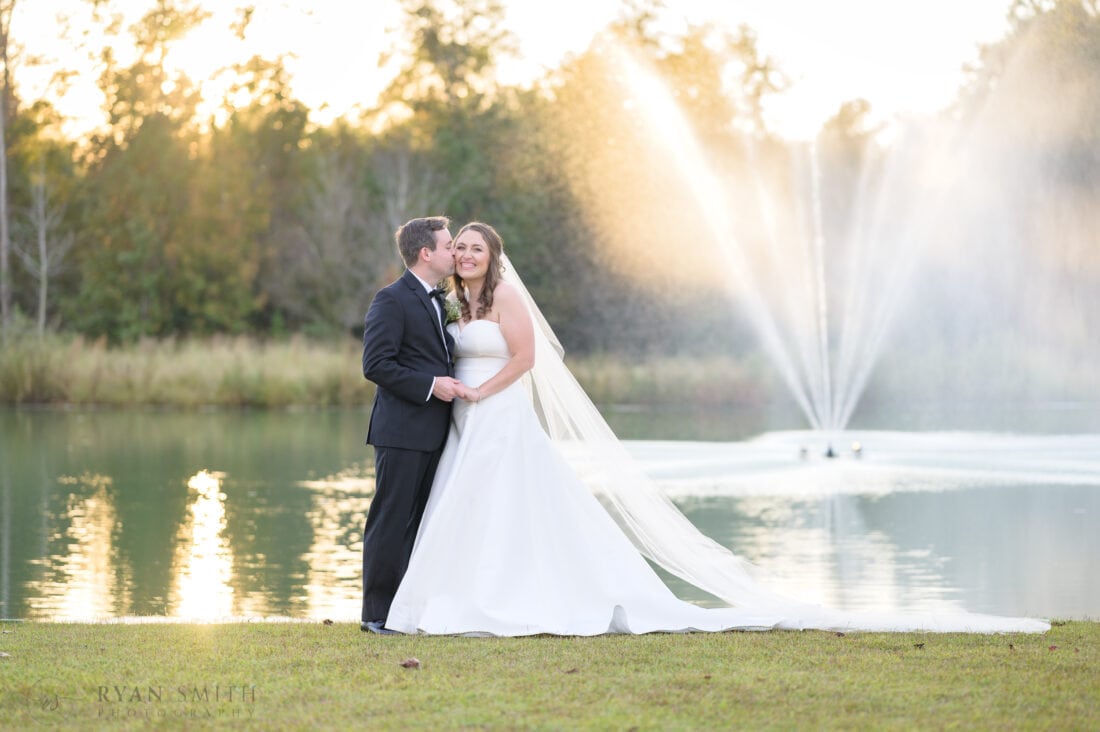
(416, 234)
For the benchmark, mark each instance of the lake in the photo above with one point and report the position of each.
(210, 515)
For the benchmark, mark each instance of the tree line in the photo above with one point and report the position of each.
(165, 224)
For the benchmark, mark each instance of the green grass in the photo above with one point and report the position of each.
(247, 372)
(307, 675)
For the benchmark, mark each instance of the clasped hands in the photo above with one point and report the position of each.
(447, 389)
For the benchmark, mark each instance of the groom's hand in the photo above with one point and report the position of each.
(446, 388)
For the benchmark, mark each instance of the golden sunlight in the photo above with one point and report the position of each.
(337, 502)
(660, 202)
(900, 56)
(204, 560)
(87, 585)
(335, 556)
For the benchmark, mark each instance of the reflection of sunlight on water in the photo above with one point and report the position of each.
(921, 521)
(824, 552)
(83, 583)
(204, 560)
(339, 508)
(353, 479)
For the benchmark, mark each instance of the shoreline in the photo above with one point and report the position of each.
(247, 372)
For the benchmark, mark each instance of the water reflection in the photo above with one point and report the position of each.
(5, 537)
(83, 577)
(827, 551)
(1006, 549)
(339, 504)
(108, 514)
(203, 569)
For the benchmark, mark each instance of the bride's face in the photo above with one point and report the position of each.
(471, 256)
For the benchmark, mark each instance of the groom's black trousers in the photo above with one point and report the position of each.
(403, 480)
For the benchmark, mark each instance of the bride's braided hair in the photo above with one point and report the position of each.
(492, 276)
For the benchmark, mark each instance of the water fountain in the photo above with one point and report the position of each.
(826, 285)
(831, 289)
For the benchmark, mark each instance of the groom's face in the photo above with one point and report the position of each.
(443, 258)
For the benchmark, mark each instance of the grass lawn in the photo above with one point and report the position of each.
(311, 675)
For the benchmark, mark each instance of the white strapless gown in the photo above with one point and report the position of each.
(513, 543)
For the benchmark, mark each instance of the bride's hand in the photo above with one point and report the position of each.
(470, 393)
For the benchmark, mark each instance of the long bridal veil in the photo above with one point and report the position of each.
(662, 533)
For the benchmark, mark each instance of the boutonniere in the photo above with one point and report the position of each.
(453, 311)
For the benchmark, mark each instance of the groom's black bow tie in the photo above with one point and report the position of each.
(439, 294)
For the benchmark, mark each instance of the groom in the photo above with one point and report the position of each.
(407, 354)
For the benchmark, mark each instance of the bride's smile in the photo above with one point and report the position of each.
(471, 256)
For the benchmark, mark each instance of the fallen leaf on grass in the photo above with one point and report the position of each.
(326, 621)
(411, 663)
(839, 635)
(918, 646)
(4, 655)
(1011, 647)
(1053, 648)
(572, 670)
(706, 676)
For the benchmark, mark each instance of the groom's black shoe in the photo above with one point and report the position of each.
(376, 626)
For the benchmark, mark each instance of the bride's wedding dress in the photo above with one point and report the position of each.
(512, 543)
(515, 542)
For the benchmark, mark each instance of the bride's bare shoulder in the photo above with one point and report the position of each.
(507, 294)
(508, 301)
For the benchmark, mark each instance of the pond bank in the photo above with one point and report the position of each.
(243, 371)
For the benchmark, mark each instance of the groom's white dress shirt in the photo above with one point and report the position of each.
(439, 319)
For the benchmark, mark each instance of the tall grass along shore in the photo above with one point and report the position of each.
(246, 372)
(331, 676)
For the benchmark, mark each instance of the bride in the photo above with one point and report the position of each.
(539, 522)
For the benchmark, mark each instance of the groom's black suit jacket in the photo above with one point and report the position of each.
(402, 352)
